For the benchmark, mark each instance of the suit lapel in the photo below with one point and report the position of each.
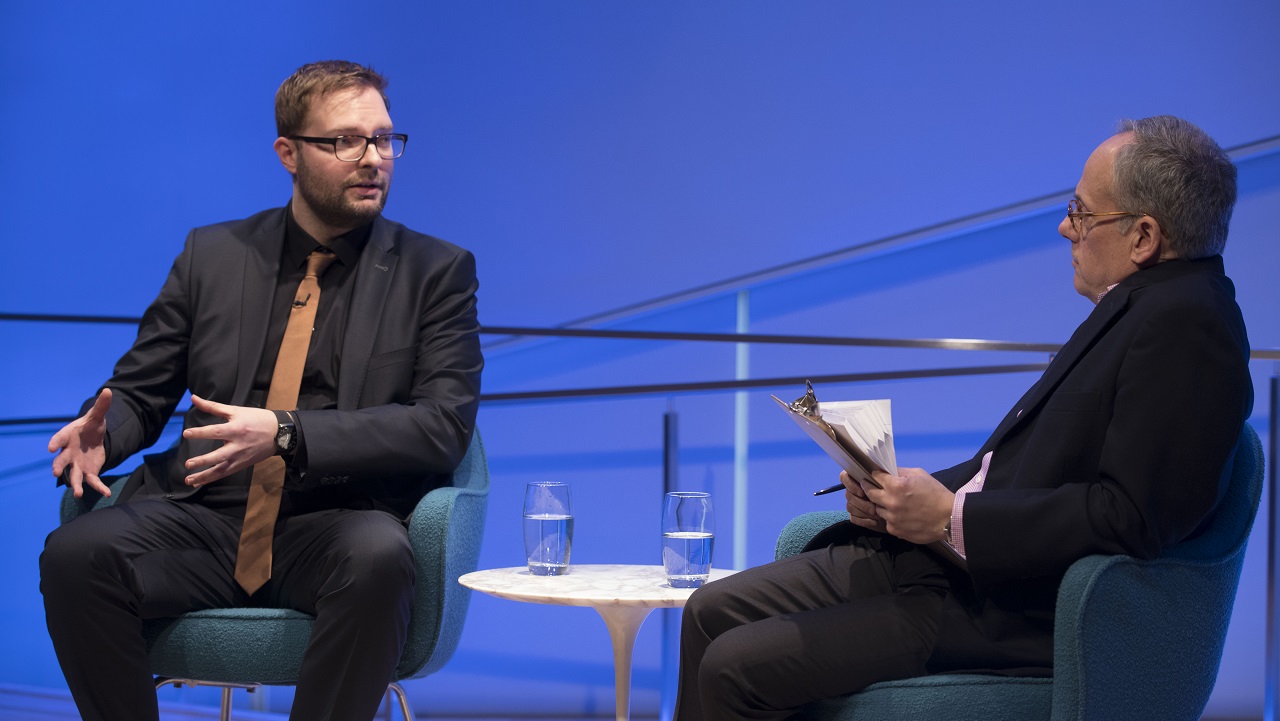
(1113, 304)
(373, 279)
(1103, 315)
(261, 269)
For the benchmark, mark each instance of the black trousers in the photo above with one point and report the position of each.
(763, 642)
(107, 571)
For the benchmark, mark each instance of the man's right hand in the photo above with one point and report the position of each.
(862, 511)
(82, 451)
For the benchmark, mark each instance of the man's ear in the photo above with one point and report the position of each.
(1149, 244)
(288, 152)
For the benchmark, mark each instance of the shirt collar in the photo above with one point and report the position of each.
(298, 243)
(1103, 294)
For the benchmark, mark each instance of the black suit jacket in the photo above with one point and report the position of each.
(1124, 445)
(409, 369)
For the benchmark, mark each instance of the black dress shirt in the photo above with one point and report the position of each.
(319, 386)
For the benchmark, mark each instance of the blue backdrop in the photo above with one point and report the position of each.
(597, 156)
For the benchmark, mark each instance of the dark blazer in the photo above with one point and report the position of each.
(1124, 445)
(409, 369)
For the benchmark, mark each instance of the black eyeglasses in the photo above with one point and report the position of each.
(352, 148)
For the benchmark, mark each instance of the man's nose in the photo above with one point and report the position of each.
(371, 156)
(1066, 229)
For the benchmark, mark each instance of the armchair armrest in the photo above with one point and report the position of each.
(801, 529)
(73, 507)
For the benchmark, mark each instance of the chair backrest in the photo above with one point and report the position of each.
(1228, 529)
(1143, 639)
(445, 530)
(473, 472)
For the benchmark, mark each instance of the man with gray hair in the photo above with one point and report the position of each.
(1124, 445)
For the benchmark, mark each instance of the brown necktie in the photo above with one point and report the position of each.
(253, 559)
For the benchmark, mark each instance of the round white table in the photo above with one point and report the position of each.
(622, 594)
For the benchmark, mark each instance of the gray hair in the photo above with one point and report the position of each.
(1174, 172)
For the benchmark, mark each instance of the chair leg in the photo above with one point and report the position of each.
(224, 713)
(395, 690)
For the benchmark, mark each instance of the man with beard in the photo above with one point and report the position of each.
(334, 368)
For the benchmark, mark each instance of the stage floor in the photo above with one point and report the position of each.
(30, 703)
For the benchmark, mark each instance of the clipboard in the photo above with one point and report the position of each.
(855, 461)
(836, 439)
(852, 459)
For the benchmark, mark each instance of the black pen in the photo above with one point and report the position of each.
(840, 486)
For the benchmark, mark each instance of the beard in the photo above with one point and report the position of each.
(330, 203)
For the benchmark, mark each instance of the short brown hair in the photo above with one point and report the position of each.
(293, 99)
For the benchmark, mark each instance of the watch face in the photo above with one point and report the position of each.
(284, 438)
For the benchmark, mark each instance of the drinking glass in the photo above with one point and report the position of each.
(688, 535)
(548, 528)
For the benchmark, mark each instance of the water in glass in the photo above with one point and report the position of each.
(688, 538)
(548, 539)
(548, 528)
(686, 555)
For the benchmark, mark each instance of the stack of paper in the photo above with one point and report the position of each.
(865, 425)
(859, 436)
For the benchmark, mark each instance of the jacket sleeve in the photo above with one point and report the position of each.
(151, 377)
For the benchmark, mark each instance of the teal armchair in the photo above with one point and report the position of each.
(1135, 640)
(248, 647)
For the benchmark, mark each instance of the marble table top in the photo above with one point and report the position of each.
(586, 585)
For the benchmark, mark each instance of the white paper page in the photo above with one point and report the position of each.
(868, 424)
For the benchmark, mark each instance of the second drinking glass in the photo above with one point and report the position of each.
(688, 535)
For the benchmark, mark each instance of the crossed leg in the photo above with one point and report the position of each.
(761, 643)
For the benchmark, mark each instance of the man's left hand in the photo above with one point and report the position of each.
(913, 505)
(248, 436)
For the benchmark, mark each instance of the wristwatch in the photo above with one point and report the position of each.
(286, 435)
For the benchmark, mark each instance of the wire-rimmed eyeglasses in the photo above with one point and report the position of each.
(1075, 213)
(352, 148)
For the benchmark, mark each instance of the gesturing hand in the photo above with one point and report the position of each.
(82, 450)
(913, 505)
(247, 435)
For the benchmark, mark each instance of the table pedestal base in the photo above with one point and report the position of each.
(624, 623)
